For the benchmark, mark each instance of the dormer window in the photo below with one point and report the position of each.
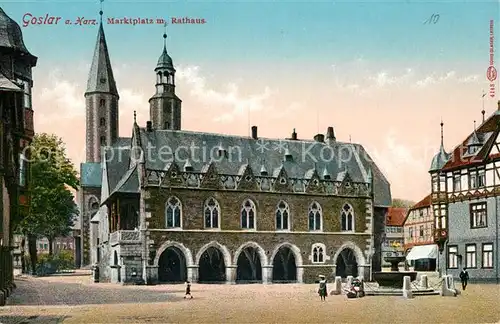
(222, 152)
(288, 155)
(327, 177)
(263, 171)
(472, 149)
(188, 168)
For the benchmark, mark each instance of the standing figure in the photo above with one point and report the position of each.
(188, 290)
(322, 291)
(464, 277)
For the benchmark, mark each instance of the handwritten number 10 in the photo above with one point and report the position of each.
(433, 19)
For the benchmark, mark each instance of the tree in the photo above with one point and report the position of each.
(52, 207)
(402, 203)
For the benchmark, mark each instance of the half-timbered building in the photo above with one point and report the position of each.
(177, 205)
(16, 132)
(465, 194)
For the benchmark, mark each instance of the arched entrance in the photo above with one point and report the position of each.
(249, 267)
(284, 266)
(172, 266)
(346, 264)
(212, 268)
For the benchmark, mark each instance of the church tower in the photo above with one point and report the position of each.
(101, 101)
(165, 106)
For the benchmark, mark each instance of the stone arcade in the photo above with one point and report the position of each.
(169, 205)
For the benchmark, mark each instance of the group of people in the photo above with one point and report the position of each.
(323, 292)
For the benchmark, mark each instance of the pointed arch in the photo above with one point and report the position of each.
(347, 218)
(187, 253)
(211, 213)
(315, 216)
(295, 250)
(282, 216)
(248, 215)
(223, 249)
(360, 258)
(173, 212)
(257, 247)
(297, 255)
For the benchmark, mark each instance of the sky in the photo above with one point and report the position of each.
(377, 71)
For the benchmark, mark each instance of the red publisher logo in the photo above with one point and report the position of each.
(491, 73)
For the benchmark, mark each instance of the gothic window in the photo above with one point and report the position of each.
(318, 253)
(248, 215)
(315, 217)
(173, 213)
(102, 122)
(347, 218)
(212, 213)
(102, 103)
(103, 140)
(282, 216)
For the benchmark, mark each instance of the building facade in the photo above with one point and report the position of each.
(16, 132)
(419, 232)
(393, 238)
(170, 205)
(465, 186)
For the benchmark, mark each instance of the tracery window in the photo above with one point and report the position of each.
(318, 253)
(315, 217)
(282, 216)
(347, 218)
(248, 214)
(211, 213)
(173, 213)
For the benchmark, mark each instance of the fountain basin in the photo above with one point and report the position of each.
(393, 279)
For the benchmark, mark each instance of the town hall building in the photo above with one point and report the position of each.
(170, 205)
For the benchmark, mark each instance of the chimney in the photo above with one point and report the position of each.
(149, 126)
(319, 138)
(294, 135)
(254, 132)
(330, 135)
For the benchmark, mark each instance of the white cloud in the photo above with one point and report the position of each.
(435, 79)
(383, 78)
(386, 79)
(233, 102)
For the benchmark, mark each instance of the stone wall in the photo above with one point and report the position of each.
(230, 203)
(194, 243)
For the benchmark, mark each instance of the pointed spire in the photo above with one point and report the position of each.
(442, 135)
(101, 77)
(165, 61)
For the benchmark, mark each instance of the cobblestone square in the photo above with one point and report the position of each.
(74, 299)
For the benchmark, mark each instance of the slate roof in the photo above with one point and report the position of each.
(396, 216)
(11, 36)
(101, 77)
(486, 134)
(90, 174)
(262, 153)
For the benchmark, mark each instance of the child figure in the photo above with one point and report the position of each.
(322, 291)
(188, 290)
